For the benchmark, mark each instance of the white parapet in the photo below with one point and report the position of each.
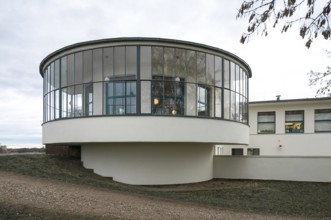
(150, 163)
(131, 129)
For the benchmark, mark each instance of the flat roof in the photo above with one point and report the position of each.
(290, 100)
(143, 39)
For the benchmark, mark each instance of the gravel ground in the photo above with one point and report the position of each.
(63, 199)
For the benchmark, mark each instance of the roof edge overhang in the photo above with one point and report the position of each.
(143, 40)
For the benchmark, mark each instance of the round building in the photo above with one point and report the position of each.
(145, 110)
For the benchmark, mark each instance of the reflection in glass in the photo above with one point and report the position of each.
(88, 100)
(146, 63)
(218, 71)
(210, 69)
(266, 122)
(226, 74)
(167, 96)
(169, 61)
(64, 72)
(218, 102)
(78, 68)
(173, 81)
(201, 68)
(294, 121)
(157, 61)
(131, 60)
(203, 102)
(119, 61)
(191, 63)
(97, 65)
(108, 62)
(180, 63)
(87, 66)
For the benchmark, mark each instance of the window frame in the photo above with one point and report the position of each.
(321, 120)
(267, 122)
(204, 103)
(301, 131)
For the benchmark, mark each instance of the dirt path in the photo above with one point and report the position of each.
(54, 196)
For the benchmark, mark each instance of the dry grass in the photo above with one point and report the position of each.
(271, 197)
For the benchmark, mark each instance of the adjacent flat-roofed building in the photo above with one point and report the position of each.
(145, 110)
(296, 127)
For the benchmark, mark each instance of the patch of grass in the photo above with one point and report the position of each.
(271, 197)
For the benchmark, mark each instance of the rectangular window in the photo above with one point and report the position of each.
(88, 100)
(167, 96)
(323, 120)
(253, 151)
(238, 151)
(294, 121)
(121, 98)
(266, 122)
(203, 102)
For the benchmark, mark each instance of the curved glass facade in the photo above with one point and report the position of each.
(145, 80)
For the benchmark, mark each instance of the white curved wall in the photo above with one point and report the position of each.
(150, 163)
(145, 129)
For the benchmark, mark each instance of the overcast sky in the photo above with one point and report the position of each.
(30, 30)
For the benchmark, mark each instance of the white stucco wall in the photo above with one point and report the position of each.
(308, 143)
(314, 169)
(144, 129)
(150, 163)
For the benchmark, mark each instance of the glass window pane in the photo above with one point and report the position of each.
(71, 70)
(97, 65)
(237, 118)
(201, 68)
(237, 79)
(266, 117)
(191, 99)
(233, 76)
(323, 114)
(227, 74)
(131, 60)
(323, 126)
(131, 98)
(52, 78)
(71, 95)
(108, 62)
(266, 128)
(57, 104)
(57, 74)
(237, 151)
(64, 72)
(227, 104)
(78, 101)
(204, 101)
(253, 151)
(218, 102)
(146, 97)
(294, 127)
(119, 61)
(169, 61)
(157, 61)
(294, 116)
(210, 69)
(191, 62)
(180, 63)
(233, 106)
(146, 63)
(78, 68)
(87, 55)
(64, 103)
(218, 71)
(88, 100)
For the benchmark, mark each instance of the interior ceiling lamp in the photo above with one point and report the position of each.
(156, 101)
